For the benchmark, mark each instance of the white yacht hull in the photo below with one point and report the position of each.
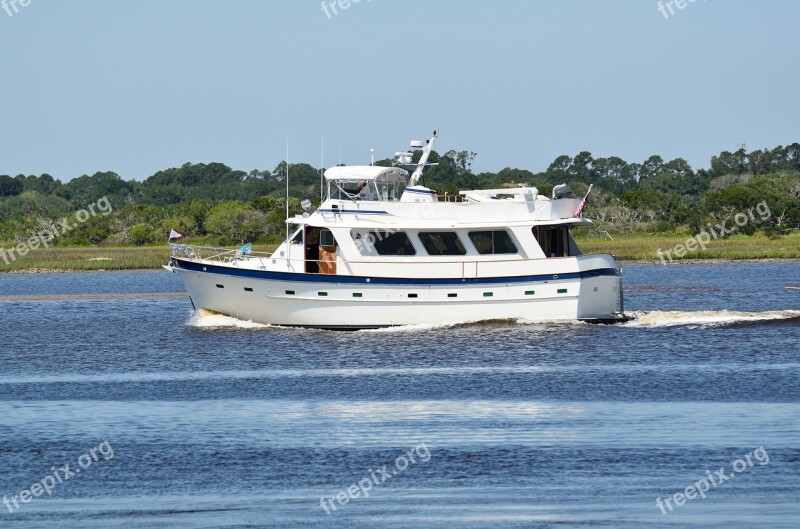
(353, 302)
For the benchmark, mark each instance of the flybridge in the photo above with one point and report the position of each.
(359, 183)
(395, 184)
(384, 183)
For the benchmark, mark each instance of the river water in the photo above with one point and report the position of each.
(122, 408)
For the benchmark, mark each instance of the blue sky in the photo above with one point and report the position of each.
(138, 86)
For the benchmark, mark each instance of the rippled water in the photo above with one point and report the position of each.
(215, 422)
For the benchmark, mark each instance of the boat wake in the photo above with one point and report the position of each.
(711, 318)
(417, 327)
(206, 319)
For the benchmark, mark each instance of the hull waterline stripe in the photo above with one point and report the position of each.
(268, 275)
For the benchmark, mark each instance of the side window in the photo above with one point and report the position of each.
(442, 243)
(503, 242)
(554, 240)
(326, 238)
(492, 242)
(391, 243)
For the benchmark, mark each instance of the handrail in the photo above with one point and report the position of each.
(210, 253)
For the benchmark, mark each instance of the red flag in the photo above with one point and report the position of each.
(583, 203)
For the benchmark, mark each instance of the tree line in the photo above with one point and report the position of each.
(218, 204)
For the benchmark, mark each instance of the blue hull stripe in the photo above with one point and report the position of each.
(364, 280)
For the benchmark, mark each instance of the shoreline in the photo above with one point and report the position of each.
(718, 260)
(34, 271)
(625, 262)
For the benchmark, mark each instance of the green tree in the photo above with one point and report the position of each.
(651, 167)
(580, 168)
(236, 222)
(10, 187)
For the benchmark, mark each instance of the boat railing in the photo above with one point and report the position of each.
(210, 253)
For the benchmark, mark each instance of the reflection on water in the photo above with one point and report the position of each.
(94, 297)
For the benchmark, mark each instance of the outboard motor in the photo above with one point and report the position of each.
(562, 191)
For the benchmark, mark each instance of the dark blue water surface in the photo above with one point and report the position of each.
(203, 421)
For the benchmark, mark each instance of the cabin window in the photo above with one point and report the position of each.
(389, 187)
(326, 238)
(297, 238)
(492, 242)
(391, 243)
(554, 240)
(346, 189)
(442, 243)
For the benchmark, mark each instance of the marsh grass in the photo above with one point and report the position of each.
(645, 247)
(95, 258)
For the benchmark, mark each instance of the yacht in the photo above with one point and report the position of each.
(383, 250)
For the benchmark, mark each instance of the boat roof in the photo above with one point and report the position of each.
(365, 172)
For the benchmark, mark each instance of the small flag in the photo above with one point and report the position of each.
(174, 235)
(583, 203)
(247, 248)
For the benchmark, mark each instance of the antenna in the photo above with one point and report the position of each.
(423, 160)
(321, 169)
(288, 244)
(372, 156)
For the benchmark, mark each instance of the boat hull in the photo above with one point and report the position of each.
(354, 302)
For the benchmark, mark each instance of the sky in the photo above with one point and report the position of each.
(139, 86)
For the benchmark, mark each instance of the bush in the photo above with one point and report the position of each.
(143, 234)
(236, 222)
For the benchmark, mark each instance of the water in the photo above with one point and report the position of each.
(214, 422)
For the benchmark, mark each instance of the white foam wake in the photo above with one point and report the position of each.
(705, 318)
(696, 319)
(416, 327)
(206, 319)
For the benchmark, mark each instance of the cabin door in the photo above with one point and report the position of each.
(327, 253)
(312, 250)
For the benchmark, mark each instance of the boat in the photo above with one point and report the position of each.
(383, 250)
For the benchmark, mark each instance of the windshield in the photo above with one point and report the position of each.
(383, 188)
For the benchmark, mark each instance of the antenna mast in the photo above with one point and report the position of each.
(322, 170)
(288, 244)
(423, 160)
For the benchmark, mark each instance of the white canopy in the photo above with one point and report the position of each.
(365, 172)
